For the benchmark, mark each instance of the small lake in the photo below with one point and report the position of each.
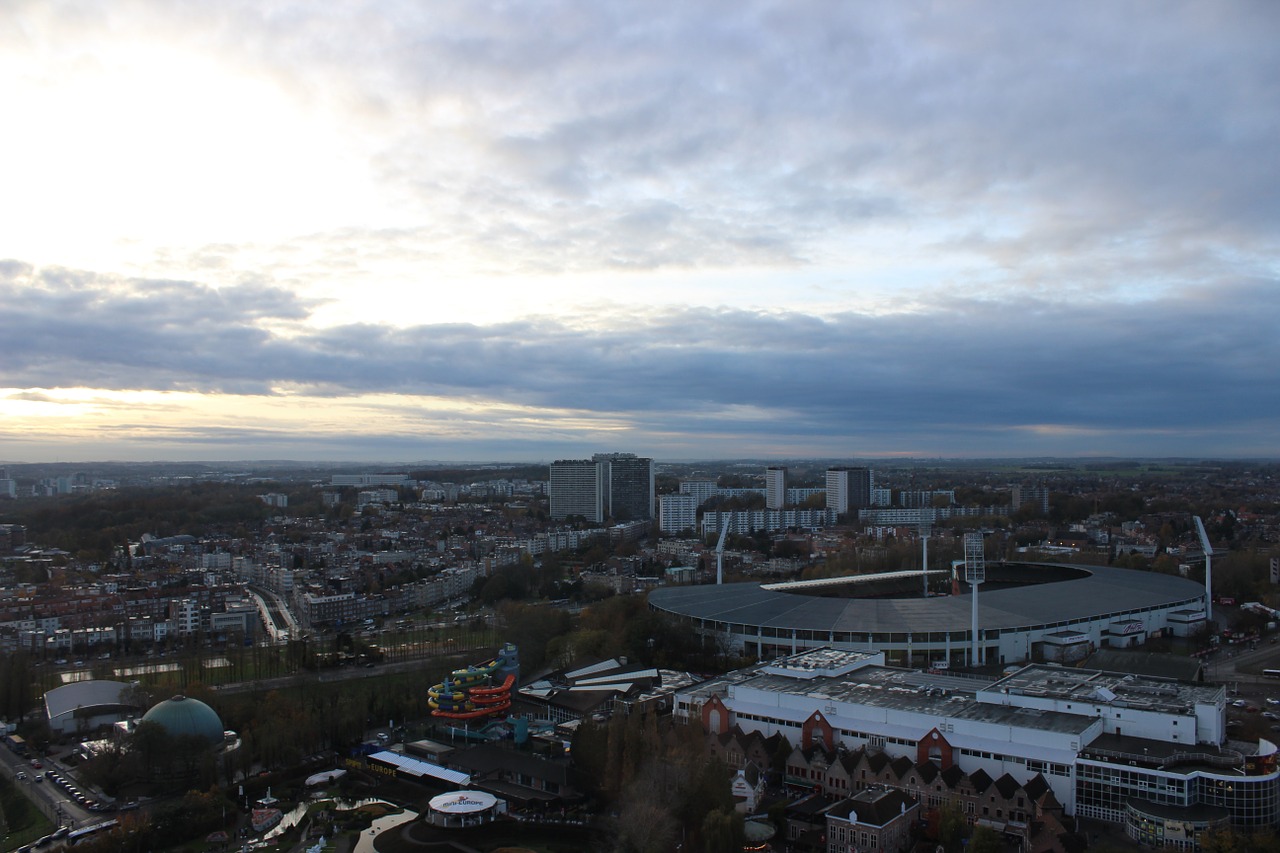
(365, 844)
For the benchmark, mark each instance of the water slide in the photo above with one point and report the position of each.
(469, 693)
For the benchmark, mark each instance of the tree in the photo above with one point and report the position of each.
(151, 742)
(722, 832)
(1221, 841)
(951, 827)
(984, 840)
(643, 826)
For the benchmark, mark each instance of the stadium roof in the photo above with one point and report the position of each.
(1093, 592)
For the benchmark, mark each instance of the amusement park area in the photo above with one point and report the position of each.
(477, 772)
(551, 767)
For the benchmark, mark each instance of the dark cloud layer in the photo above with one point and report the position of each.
(1192, 365)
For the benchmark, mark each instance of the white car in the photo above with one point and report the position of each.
(1239, 703)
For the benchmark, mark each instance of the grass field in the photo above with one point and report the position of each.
(23, 821)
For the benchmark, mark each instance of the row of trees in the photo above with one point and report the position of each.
(662, 782)
(94, 526)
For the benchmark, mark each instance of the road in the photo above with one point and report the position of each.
(52, 800)
(1226, 666)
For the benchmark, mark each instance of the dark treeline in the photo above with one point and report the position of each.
(92, 526)
(460, 474)
(662, 785)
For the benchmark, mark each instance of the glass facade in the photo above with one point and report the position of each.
(1182, 831)
(1104, 791)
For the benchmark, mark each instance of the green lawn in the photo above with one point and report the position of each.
(23, 820)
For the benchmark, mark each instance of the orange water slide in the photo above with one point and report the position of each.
(478, 693)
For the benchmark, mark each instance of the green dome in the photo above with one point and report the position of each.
(183, 716)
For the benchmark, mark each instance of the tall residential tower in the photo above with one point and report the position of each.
(628, 485)
(775, 487)
(576, 487)
(848, 489)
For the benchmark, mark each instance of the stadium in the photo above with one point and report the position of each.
(1026, 612)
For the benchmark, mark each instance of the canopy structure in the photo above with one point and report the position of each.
(414, 767)
(464, 808)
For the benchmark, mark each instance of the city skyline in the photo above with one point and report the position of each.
(382, 231)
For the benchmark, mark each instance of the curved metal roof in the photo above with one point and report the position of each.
(92, 693)
(1101, 591)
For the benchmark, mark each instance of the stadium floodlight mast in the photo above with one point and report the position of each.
(975, 572)
(926, 526)
(1208, 568)
(724, 531)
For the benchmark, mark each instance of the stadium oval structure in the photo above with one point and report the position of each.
(1026, 611)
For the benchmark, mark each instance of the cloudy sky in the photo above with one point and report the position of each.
(467, 230)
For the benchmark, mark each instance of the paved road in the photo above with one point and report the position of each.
(1230, 665)
(51, 799)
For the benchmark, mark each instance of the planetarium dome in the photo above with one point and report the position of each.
(182, 715)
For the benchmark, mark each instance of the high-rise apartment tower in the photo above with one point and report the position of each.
(848, 489)
(576, 487)
(628, 485)
(775, 487)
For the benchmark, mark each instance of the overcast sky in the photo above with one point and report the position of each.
(527, 231)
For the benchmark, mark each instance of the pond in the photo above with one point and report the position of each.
(295, 815)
